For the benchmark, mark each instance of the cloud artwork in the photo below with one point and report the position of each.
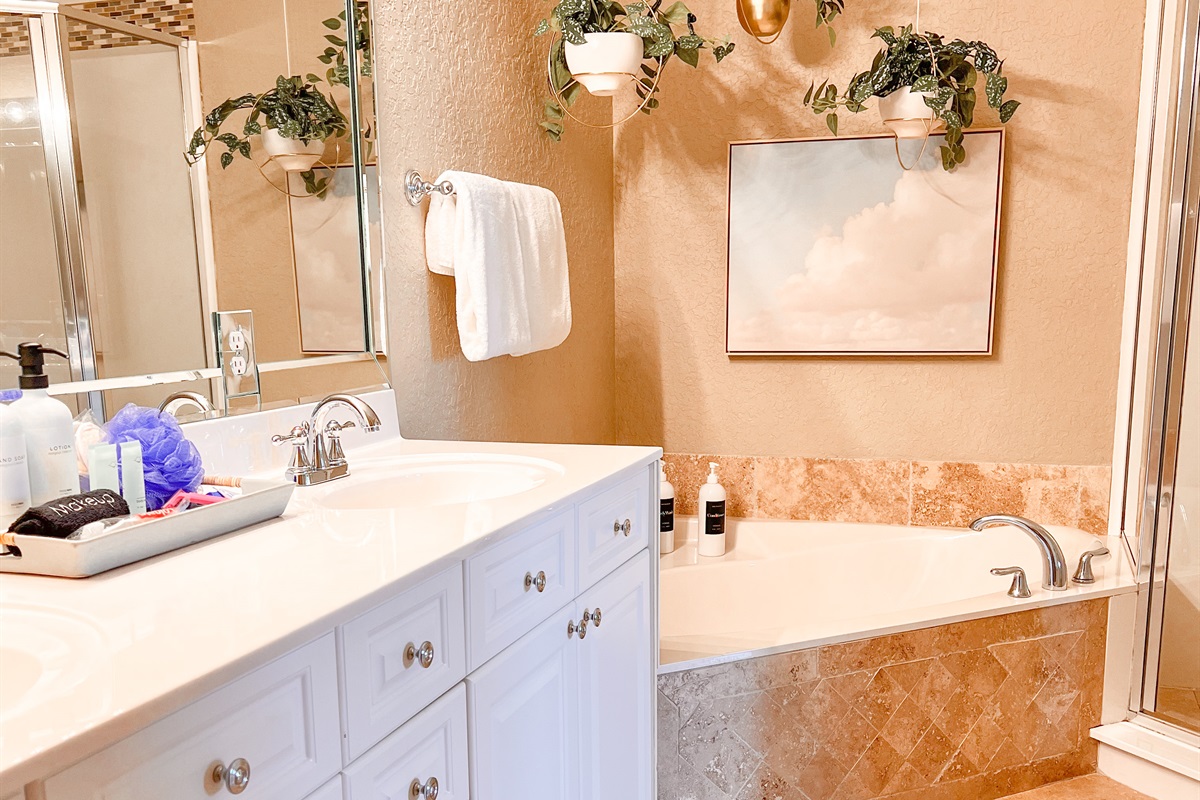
(834, 249)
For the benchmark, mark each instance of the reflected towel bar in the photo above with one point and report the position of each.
(417, 188)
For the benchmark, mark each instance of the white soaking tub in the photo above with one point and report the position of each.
(786, 585)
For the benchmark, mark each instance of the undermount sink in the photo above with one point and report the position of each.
(438, 480)
(43, 652)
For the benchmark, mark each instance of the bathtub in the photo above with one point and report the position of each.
(787, 585)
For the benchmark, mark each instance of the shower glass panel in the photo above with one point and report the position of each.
(31, 305)
(1177, 693)
(143, 275)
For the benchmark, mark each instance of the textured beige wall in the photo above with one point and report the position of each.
(461, 89)
(1046, 396)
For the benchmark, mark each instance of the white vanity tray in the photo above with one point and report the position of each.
(63, 558)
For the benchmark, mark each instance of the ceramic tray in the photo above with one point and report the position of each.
(42, 555)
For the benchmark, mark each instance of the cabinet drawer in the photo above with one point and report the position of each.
(613, 526)
(330, 791)
(430, 748)
(282, 719)
(385, 652)
(504, 600)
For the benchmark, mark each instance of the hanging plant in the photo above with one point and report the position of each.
(827, 12)
(943, 75)
(603, 45)
(294, 119)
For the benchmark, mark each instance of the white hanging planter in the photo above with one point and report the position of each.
(292, 155)
(905, 112)
(606, 63)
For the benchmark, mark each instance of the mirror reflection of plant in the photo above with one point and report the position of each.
(656, 28)
(295, 109)
(335, 58)
(827, 12)
(947, 71)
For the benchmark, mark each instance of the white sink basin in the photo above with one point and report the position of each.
(438, 480)
(43, 652)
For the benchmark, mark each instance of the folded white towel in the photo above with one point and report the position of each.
(505, 246)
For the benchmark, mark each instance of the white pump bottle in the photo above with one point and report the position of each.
(711, 506)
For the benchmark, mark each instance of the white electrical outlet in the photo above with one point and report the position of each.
(237, 365)
(237, 340)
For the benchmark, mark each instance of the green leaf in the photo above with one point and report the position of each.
(332, 24)
(832, 121)
(226, 159)
(832, 36)
(542, 28)
(690, 57)
(925, 83)
(677, 14)
(1008, 109)
(251, 128)
(572, 31)
(689, 42)
(997, 85)
(336, 41)
(809, 94)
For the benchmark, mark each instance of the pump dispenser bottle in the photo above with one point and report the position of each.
(666, 512)
(711, 536)
(14, 468)
(47, 422)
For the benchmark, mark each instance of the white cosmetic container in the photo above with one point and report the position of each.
(711, 506)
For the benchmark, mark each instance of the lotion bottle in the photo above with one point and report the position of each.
(48, 426)
(14, 468)
(711, 536)
(666, 512)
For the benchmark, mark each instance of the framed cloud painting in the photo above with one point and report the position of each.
(835, 250)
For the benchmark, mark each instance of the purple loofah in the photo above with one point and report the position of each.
(170, 460)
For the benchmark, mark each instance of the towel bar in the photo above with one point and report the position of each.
(417, 188)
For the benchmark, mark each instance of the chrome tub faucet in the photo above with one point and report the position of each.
(1054, 564)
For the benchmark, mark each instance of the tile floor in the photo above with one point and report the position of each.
(1089, 787)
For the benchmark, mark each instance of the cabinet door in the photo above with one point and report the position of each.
(426, 757)
(523, 712)
(617, 686)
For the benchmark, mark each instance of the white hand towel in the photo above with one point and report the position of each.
(505, 246)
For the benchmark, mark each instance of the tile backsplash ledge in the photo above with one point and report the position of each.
(897, 492)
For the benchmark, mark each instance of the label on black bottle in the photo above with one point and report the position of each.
(714, 518)
(666, 515)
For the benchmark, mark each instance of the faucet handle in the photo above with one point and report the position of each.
(1083, 573)
(1020, 586)
(298, 439)
(333, 429)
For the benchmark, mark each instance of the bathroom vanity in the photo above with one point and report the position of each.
(364, 645)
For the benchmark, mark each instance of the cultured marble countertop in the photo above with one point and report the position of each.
(128, 647)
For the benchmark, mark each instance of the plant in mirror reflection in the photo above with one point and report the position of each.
(827, 12)
(664, 33)
(945, 72)
(295, 108)
(335, 58)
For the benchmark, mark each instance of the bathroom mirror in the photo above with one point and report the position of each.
(118, 248)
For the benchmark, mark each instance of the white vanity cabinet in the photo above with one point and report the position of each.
(571, 704)
(525, 670)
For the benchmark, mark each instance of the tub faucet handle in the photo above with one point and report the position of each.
(1020, 586)
(1083, 573)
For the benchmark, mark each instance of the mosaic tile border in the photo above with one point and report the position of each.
(969, 711)
(168, 16)
(897, 492)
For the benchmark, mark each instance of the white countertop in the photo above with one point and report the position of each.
(143, 641)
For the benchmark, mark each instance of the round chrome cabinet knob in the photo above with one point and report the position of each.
(235, 777)
(422, 655)
(538, 581)
(423, 791)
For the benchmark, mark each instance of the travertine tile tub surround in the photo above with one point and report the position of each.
(897, 492)
(969, 711)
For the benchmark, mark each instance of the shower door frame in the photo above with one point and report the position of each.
(1167, 275)
(49, 50)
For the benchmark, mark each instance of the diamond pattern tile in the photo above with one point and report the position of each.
(933, 715)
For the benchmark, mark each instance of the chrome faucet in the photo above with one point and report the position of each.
(1054, 564)
(317, 454)
(179, 400)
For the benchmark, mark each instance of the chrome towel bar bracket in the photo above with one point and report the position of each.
(417, 188)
